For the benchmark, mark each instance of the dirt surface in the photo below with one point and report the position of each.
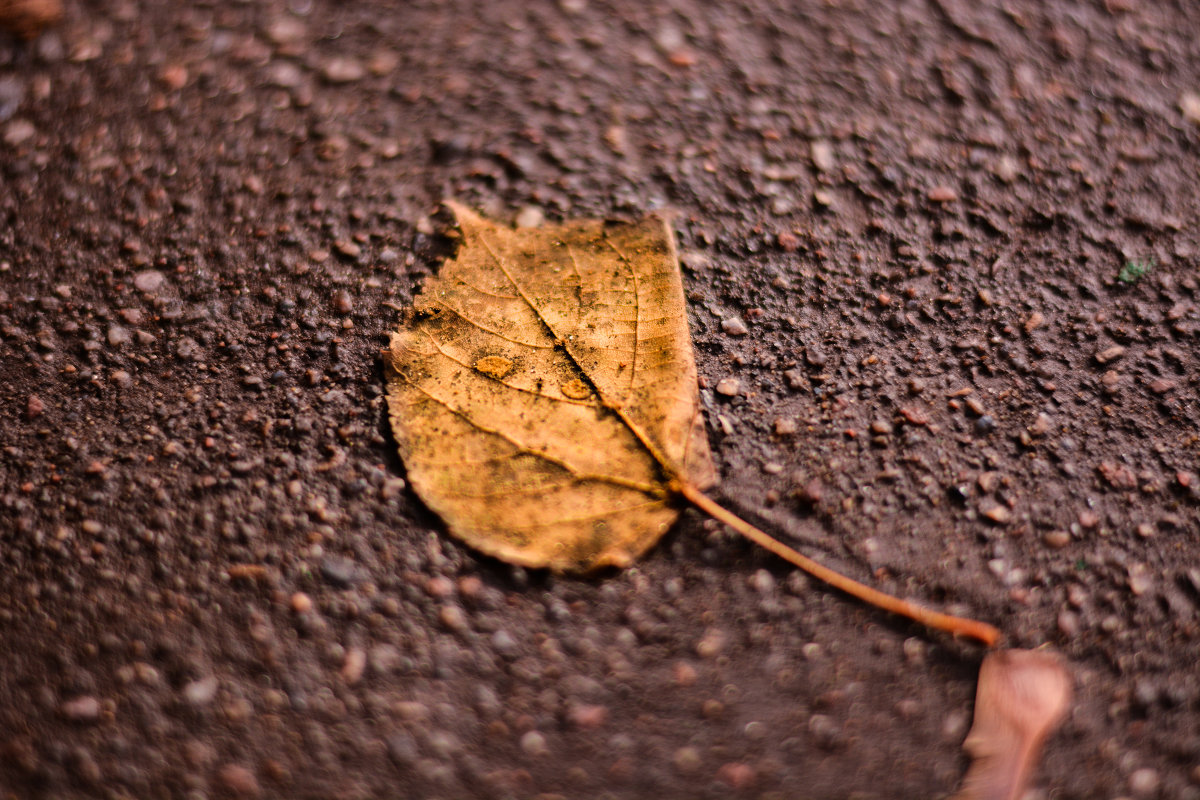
(948, 250)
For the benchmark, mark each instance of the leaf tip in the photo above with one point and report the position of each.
(466, 219)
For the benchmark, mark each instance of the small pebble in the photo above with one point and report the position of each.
(943, 194)
(997, 514)
(343, 303)
(504, 644)
(347, 249)
(34, 406)
(18, 132)
(118, 336)
(729, 387)
(712, 644)
(301, 603)
(1056, 540)
(1144, 783)
(239, 780)
(201, 692)
(985, 425)
(1034, 321)
(534, 744)
(1140, 579)
(148, 281)
(81, 709)
(343, 70)
(1068, 624)
(530, 217)
(1110, 354)
(785, 426)
(737, 775)
(734, 326)
(1189, 106)
(822, 156)
(354, 665)
(687, 760)
(588, 717)
(452, 617)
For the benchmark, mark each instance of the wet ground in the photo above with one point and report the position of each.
(948, 250)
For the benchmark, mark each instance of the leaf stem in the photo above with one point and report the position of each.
(958, 626)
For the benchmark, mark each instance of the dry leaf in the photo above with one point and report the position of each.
(1021, 698)
(543, 395)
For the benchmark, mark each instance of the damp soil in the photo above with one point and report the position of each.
(941, 260)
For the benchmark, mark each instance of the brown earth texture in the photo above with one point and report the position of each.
(947, 250)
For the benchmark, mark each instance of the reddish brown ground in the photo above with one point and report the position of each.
(962, 238)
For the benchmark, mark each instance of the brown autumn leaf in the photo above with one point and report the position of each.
(543, 395)
(1021, 698)
(545, 392)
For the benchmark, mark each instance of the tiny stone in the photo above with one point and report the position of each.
(734, 326)
(343, 70)
(339, 571)
(148, 281)
(736, 775)
(943, 194)
(201, 692)
(18, 132)
(118, 336)
(997, 514)
(347, 249)
(1110, 354)
(81, 709)
(785, 426)
(822, 155)
(1041, 425)
(239, 780)
(1034, 321)
(391, 489)
(34, 406)
(452, 617)
(1056, 540)
(687, 759)
(762, 582)
(1189, 106)
(588, 717)
(1088, 519)
(530, 217)
(354, 665)
(1145, 531)
(343, 303)
(301, 603)
(439, 586)
(1140, 579)
(712, 644)
(729, 387)
(985, 425)
(1144, 783)
(534, 744)
(684, 673)
(504, 644)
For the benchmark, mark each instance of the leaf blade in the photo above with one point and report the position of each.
(525, 353)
